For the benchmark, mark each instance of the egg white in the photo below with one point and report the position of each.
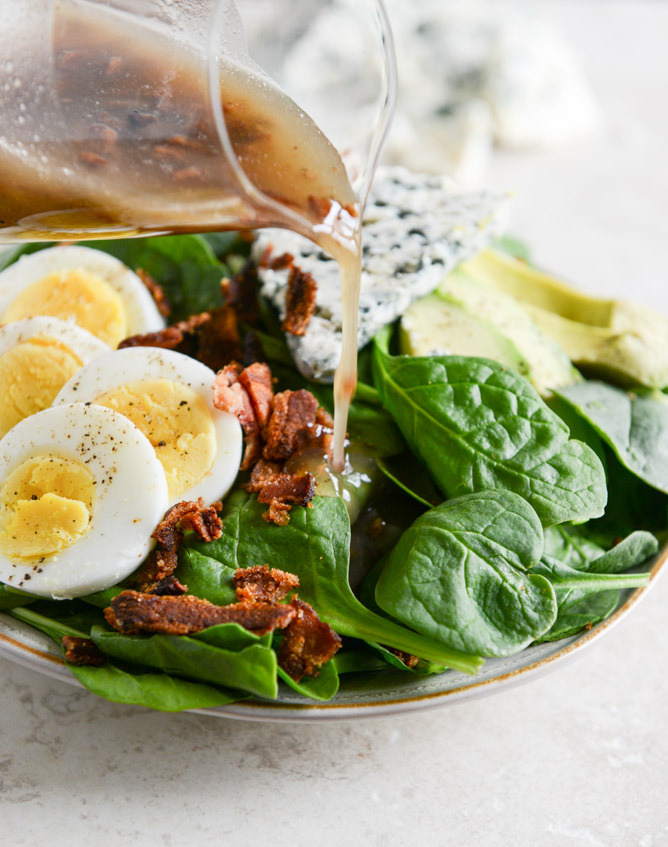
(131, 498)
(81, 342)
(142, 314)
(136, 363)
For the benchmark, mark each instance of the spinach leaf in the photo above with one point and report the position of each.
(584, 597)
(315, 546)
(206, 577)
(205, 659)
(458, 575)
(12, 598)
(421, 669)
(635, 425)
(322, 687)
(158, 691)
(357, 661)
(633, 550)
(408, 474)
(572, 545)
(477, 426)
(184, 265)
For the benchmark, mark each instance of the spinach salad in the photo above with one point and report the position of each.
(477, 516)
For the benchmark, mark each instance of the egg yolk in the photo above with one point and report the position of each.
(177, 423)
(31, 374)
(45, 506)
(78, 295)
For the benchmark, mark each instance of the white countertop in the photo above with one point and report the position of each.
(576, 758)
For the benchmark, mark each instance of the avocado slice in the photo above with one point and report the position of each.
(439, 325)
(613, 339)
(467, 318)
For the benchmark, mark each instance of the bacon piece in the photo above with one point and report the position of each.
(307, 642)
(241, 293)
(160, 564)
(280, 490)
(258, 382)
(82, 651)
(299, 301)
(188, 515)
(409, 660)
(218, 341)
(155, 290)
(170, 586)
(230, 396)
(192, 515)
(261, 584)
(292, 422)
(181, 336)
(281, 262)
(133, 612)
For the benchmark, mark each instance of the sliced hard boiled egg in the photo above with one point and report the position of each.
(168, 396)
(37, 357)
(93, 289)
(81, 491)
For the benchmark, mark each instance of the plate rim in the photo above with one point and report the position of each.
(53, 666)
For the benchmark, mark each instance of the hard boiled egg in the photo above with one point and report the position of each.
(168, 396)
(37, 357)
(89, 287)
(81, 491)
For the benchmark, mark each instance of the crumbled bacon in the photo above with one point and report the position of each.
(299, 301)
(82, 651)
(262, 584)
(180, 336)
(258, 383)
(293, 419)
(307, 642)
(170, 586)
(280, 490)
(218, 339)
(188, 515)
(229, 395)
(279, 263)
(155, 290)
(133, 612)
(240, 292)
(409, 660)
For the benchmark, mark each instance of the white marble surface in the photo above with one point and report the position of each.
(576, 758)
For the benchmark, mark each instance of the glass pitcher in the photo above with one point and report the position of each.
(128, 117)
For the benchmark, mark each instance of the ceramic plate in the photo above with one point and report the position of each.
(360, 696)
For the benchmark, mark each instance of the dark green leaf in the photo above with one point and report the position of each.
(153, 690)
(458, 575)
(13, 598)
(478, 426)
(634, 425)
(205, 577)
(315, 546)
(252, 669)
(322, 687)
(410, 476)
(184, 265)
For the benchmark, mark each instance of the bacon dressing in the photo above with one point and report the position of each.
(128, 145)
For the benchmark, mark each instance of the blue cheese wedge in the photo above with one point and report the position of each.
(416, 228)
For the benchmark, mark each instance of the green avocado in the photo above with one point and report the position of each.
(613, 339)
(466, 318)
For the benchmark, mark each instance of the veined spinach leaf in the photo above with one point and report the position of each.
(635, 425)
(584, 597)
(322, 687)
(132, 685)
(206, 577)
(458, 575)
(315, 546)
(201, 657)
(158, 691)
(479, 426)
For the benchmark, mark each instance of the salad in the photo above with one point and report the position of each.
(506, 481)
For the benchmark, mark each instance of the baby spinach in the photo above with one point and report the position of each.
(315, 546)
(458, 575)
(12, 598)
(206, 577)
(185, 266)
(635, 425)
(408, 474)
(134, 686)
(584, 597)
(478, 426)
(203, 657)
(322, 687)
(154, 690)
